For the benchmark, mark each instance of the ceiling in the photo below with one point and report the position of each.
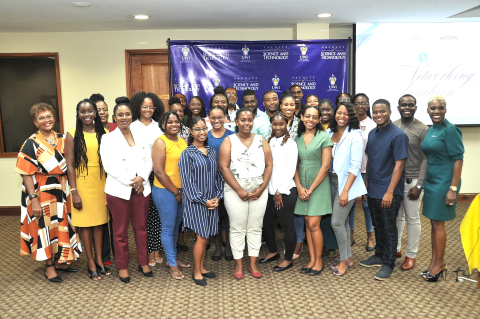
(109, 15)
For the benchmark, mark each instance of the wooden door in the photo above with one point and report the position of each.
(147, 70)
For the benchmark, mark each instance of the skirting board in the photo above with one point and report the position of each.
(15, 210)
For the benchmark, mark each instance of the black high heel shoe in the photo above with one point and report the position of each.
(68, 269)
(434, 278)
(54, 279)
(103, 270)
(125, 280)
(146, 274)
(423, 273)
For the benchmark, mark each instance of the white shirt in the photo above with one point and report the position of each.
(151, 131)
(284, 165)
(233, 114)
(365, 127)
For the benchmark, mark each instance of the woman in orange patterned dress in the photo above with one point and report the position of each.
(46, 229)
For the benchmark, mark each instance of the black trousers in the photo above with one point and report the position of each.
(107, 240)
(385, 227)
(285, 217)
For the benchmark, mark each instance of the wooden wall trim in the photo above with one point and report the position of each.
(9, 210)
(462, 198)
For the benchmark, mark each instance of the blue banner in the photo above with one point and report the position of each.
(318, 66)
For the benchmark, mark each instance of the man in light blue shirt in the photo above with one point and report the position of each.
(261, 122)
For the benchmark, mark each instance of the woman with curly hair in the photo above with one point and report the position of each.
(87, 181)
(147, 109)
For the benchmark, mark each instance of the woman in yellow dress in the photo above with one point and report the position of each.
(87, 182)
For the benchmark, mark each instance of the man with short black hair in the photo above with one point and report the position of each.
(415, 172)
(261, 121)
(270, 102)
(387, 150)
(298, 93)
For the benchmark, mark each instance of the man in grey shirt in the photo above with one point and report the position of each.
(415, 171)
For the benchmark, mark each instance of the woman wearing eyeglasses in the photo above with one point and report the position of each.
(45, 224)
(147, 109)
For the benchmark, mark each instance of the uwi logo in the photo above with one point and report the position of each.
(245, 50)
(332, 80)
(185, 51)
(303, 50)
(276, 80)
(216, 82)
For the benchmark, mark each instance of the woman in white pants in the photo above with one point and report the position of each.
(245, 161)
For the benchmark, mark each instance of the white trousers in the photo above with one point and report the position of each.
(410, 211)
(246, 217)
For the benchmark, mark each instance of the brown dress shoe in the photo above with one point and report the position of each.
(398, 254)
(408, 263)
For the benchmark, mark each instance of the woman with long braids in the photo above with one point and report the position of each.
(147, 109)
(202, 185)
(282, 193)
(102, 108)
(87, 181)
(313, 185)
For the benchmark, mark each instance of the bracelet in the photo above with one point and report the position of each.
(73, 189)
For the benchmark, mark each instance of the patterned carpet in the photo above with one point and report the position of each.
(25, 293)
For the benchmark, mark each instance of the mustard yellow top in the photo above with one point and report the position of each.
(173, 151)
(325, 126)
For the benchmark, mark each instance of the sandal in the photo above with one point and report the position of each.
(177, 274)
(349, 265)
(295, 256)
(103, 270)
(93, 274)
(180, 264)
(159, 260)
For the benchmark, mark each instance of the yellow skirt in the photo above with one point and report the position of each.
(91, 189)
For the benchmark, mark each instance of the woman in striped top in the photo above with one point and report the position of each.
(202, 188)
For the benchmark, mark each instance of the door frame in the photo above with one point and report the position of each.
(128, 63)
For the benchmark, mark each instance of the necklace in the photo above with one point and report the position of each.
(52, 141)
(407, 126)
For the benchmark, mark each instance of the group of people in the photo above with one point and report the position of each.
(183, 168)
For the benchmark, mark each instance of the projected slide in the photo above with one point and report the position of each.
(423, 60)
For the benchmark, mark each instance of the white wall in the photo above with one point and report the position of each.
(92, 62)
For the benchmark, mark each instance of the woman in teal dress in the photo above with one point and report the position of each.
(444, 148)
(313, 185)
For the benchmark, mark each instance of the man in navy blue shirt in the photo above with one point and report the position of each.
(387, 150)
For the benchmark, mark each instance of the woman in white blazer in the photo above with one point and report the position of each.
(347, 154)
(127, 161)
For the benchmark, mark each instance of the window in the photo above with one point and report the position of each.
(26, 79)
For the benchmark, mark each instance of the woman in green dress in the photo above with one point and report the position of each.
(313, 185)
(444, 148)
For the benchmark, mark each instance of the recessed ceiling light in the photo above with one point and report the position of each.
(324, 15)
(141, 16)
(80, 4)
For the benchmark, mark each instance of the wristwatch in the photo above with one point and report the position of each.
(179, 192)
(420, 187)
(453, 188)
(32, 196)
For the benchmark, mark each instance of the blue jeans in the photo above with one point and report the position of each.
(386, 233)
(366, 210)
(299, 223)
(171, 215)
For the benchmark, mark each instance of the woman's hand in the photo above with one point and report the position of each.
(77, 201)
(140, 190)
(278, 199)
(343, 199)
(450, 199)
(303, 193)
(256, 193)
(211, 204)
(243, 194)
(36, 208)
(137, 182)
(179, 197)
